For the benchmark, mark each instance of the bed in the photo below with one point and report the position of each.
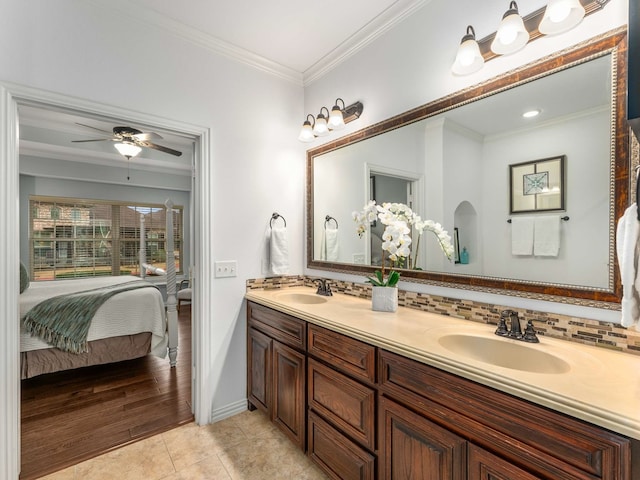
(131, 322)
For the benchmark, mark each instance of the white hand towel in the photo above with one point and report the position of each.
(627, 234)
(546, 236)
(279, 251)
(329, 247)
(522, 236)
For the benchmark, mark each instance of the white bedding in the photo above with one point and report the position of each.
(126, 313)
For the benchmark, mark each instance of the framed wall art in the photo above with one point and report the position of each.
(537, 186)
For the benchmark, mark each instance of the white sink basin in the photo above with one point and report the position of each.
(301, 298)
(504, 353)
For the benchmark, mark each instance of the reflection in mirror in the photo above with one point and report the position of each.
(453, 161)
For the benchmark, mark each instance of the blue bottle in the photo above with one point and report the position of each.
(464, 255)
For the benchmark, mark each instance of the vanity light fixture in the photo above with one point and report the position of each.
(468, 59)
(322, 124)
(512, 34)
(560, 16)
(515, 31)
(321, 129)
(306, 133)
(336, 120)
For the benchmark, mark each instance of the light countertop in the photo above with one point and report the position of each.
(596, 385)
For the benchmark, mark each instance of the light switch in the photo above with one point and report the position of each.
(226, 268)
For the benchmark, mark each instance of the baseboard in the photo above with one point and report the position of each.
(228, 410)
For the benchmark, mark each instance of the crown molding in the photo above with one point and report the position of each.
(363, 37)
(197, 37)
(393, 15)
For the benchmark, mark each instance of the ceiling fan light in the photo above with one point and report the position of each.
(560, 16)
(127, 149)
(512, 34)
(468, 59)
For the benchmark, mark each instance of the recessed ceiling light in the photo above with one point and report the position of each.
(531, 113)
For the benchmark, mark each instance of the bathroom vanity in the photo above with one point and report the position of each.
(410, 394)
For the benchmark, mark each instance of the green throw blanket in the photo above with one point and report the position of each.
(63, 321)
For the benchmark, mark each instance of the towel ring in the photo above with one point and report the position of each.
(565, 218)
(275, 216)
(327, 219)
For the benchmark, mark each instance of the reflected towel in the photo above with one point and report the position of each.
(522, 236)
(627, 246)
(329, 248)
(546, 236)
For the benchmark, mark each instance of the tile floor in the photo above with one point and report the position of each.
(244, 447)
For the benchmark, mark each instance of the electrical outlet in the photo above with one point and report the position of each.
(226, 268)
(358, 258)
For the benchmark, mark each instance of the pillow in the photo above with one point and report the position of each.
(24, 277)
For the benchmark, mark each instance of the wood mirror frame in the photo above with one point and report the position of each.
(614, 43)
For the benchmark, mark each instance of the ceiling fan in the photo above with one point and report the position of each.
(128, 138)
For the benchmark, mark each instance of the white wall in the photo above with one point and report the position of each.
(80, 49)
(410, 66)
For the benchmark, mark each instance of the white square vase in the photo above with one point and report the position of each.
(384, 299)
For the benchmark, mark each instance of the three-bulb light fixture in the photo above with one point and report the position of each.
(321, 125)
(558, 16)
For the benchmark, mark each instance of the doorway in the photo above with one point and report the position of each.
(11, 96)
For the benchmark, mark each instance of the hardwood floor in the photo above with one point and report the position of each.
(68, 417)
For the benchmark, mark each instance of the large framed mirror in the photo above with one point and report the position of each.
(452, 161)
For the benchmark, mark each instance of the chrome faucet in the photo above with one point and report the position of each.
(324, 288)
(514, 331)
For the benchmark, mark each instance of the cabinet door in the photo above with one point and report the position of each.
(486, 466)
(413, 448)
(289, 400)
(259, 377)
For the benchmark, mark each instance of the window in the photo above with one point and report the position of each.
(71, 238)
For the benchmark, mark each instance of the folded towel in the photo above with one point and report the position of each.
(522, 236)
(329, 248)
(279, 251)
(627, 234)
(546, 236)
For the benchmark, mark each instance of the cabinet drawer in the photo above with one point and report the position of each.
(351, 356)
(286, 329)
(548, 443)
(337, 456)
(347, 404)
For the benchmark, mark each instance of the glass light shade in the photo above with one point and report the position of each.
(320, 129)
(469, 59)
(560, 16)
(128, 150)
(511, 35)
(306, 133)
(336, 120)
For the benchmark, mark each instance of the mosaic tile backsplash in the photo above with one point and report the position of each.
(574, 329)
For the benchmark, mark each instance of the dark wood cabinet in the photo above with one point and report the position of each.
(276, 373)
(484, 465)
(414, 448)
(338, 456)
(259, 372)
(365, 413)
(289, 392)
(544, 443)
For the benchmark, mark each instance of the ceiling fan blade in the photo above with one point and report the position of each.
(160, 148)
(94, 140)
(145, 136)
(98, 129)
